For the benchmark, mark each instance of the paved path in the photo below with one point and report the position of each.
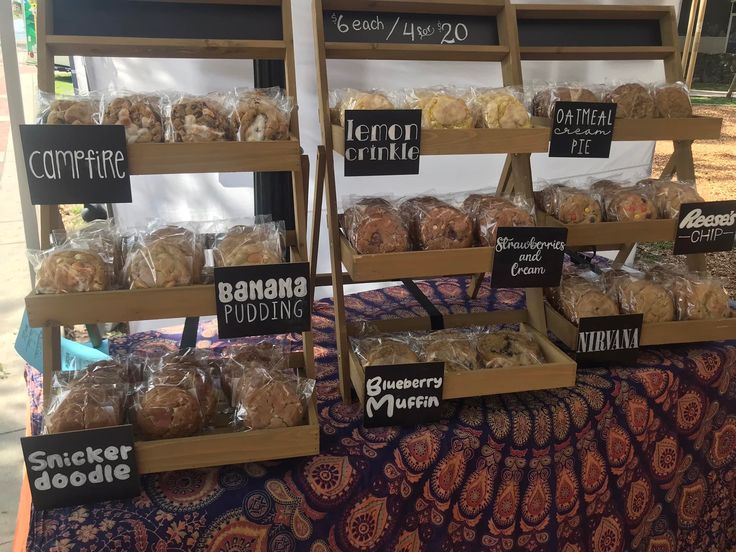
(15, 285)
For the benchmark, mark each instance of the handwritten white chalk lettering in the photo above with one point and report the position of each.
(101, 461)
(77, 164)
(379, 394)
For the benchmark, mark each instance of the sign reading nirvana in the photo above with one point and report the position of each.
(706, 227)
(382, 142)
(608, 338)
(262, 299)
(403, 394)
(76, 163)
(582, 129)
(81, 467)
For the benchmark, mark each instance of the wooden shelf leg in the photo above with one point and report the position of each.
(623, 254)
(309, 364)
(51, 360)
(535, 308)
(475, 282)
(319, 186)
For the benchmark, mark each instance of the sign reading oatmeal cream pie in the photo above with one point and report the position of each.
(410, 28)
(403, 394)
(582, 129)
(528, 257)
(81, 467)
(382, 142)
(76, 163)
(263, 299)
(706, 227)
(604, 339)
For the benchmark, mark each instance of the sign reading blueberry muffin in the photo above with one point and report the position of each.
(382, 141)
(582, 129)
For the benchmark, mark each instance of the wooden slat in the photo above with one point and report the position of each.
(414, 264)
(229, 447)
(470, 141)
(613, 233)
(215, 2)
(456, 320)
(214, 157)
(105, 46)
(455, 7)
(628, 130)
(565, 53)
(425, 52)
(586, 11)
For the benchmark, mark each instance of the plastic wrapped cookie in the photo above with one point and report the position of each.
(140, 115)
(262, 114)
(457, 349)
(500, 108)
(669, 195)
(434, 224)
(85, 407)
(248, 245)
(672, 101)
(243, 359)
(490, 212)
(168, 256)
(443, 109)
(505, 348)
(576, 206)
(544, 101)
(700, 297)
(69, 110)
(350, 99)
(582, 295)
(199, 119)
(387, 350)
(70, 269)
(629, 204)
(271, 400)
(639, 295)
(165, 411)
(373, 225)
(634, 101)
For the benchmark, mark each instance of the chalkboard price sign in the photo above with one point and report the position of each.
(76, 163)
(81, 467)
(403, 394)
(582, 129)
(262, 299)
(409, 28)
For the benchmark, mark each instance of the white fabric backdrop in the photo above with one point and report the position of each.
(203, 197)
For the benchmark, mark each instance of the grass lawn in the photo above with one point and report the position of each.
(700, 100)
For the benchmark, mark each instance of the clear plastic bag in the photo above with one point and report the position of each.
(455, 347)
(374, 225)
(435, 224)
(166, 411)
(244, 244)
(262, 114)
(387, 349)
(443, 107)
(200, 119)
(500, 108)
(544, 100)
(271, 399)
(489, 212)
(672, 101)
(638, 294)
(628, 204)
(163, 256)
(76, 407)
(243, 359)
(634, 100)
(582, 294)
(576, 206)
(70, 109)
(101, 236)
(699, 296)
(75, 266)
(669, 195)
(140, 114)
(503, 348)
(345, 99)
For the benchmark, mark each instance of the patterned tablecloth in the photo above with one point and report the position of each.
(639, 458)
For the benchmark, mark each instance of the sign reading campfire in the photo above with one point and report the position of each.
(382, 141)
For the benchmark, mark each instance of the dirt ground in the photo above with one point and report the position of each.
(715, 171)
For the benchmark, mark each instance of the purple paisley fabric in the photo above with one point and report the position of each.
(635, 458)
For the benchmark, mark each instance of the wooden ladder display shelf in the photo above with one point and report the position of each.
(83, 38)
(560, 370)
(623, 33)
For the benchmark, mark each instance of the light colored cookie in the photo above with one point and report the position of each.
(644, 296)
(387, 352)
(455, 349)
(634, 101)
(672, 100)
(246, 245)
(72, 270)
(267, 403)
(167, 412)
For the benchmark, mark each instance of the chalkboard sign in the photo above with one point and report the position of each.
(706, 227)
(582, 129)
(528, 257)
(382, 142)
(604, 339)
(403, 394)
(410, 28)
(76, 163)
(263, 299)
(81, 467)
(585, 32)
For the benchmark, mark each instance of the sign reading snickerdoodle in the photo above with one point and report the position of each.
(403, 394)
(582, 129)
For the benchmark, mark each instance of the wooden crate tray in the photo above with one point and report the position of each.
(559, 371)
(470, 141)
(613, 234)
(660, 333)
(228, 447)
(627, 130)
(414, 264)
(278, 155)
